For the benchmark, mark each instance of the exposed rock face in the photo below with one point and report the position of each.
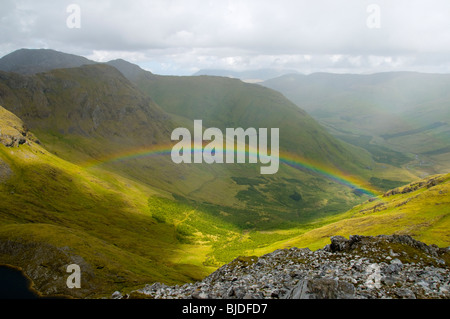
(46, 266)
(322, 288)
(12, 130)
(433, 181)
(356, 268)
(88, 101)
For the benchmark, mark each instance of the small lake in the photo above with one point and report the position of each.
(14, 285)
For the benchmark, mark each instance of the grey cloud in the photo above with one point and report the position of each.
(185, 35)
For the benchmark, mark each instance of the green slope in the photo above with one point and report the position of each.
(122, 233)
(54, 213)
(91, 102)
(420, 209)
(223, 102)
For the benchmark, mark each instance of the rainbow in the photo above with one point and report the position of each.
(335, 175)
(292, 160)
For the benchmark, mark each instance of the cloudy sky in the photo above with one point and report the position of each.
(182, 36)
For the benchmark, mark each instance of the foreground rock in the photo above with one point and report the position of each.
(356, 268)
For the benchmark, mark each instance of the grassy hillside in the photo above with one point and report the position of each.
(102, 219)
(420, 209)
(223, 102)
(122, 233)
(90, 102)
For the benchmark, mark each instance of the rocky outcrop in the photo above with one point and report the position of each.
(428, 183)
(361, 267)
(46, 266)
(12, 130)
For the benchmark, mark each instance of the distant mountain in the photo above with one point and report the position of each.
(131, 71)
(251, 76)
(32, 61)
(402, 118)
(91, 101)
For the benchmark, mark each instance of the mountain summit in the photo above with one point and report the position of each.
(131, 71)
(32, 61)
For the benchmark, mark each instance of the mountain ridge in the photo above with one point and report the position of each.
(251, 76)
(32, 61)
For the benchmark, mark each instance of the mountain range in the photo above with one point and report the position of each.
(401, 118)
(251, 76)
(86, 175)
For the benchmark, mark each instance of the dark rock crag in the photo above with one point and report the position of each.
(46, 267)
